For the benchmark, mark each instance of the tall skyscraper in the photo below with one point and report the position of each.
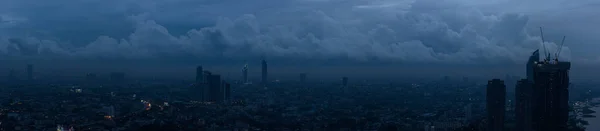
(496, 103)
(204, 87)
(227, 91)
(523, 108)
(551, 95)
(264, 73)
(344, 81)
(214, 85)
(199, 75)
(531, 63)
(245, 74)
(30, 72)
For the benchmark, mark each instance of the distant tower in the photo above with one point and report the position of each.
(30, 72)
(344, 81)
(214, 87)
(245, 74)
(531, 63)
(199, 75)
(496, 102)
(264, 73)
(227, 91)
(205, 87)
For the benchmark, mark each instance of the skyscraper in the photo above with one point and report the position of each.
(531, 63)
(198, 91)
(496, 102)
(344, 81)
(30, 72)
(523, 110)
(551, 95)
(199, 75)
(264, 73)
(245, 74)
(227, 91)
(204, 87)
(214, 86)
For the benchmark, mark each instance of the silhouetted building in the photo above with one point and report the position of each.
(226, 90)
(264, 73)
(551, 95)
(245, 74)
(199, 75)
(523, 108)
(198, 91)
(214, 87)
(531, 63)
(496, 102)
(30, 72)
(117, 77)
(344, 81)
(203, 87)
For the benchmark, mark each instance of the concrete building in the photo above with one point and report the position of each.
(496, 102)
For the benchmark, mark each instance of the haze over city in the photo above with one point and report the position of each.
(433, 44)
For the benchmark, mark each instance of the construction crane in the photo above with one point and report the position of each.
(557, 54)
(544, 46)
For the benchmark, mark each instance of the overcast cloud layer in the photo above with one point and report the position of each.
(445, 31)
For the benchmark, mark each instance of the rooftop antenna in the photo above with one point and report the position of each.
(544, 45)
(560, 47)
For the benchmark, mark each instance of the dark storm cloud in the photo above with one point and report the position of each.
(385, 30)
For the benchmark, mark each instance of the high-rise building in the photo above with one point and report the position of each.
(214, 87)
(245, 74)
(226, 91)
(344, 81)
(531, 63)
(30, 72)
(523, 108)
(551, 95)
(264, 73)
(204, 87)
(496, 103)
(199, 75)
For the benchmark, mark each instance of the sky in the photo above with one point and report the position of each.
(291, 32)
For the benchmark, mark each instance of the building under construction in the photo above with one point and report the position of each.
(549, 94)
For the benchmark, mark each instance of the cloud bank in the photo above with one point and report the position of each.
(427, 31)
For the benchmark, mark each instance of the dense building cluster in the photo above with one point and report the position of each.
(212, 102)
